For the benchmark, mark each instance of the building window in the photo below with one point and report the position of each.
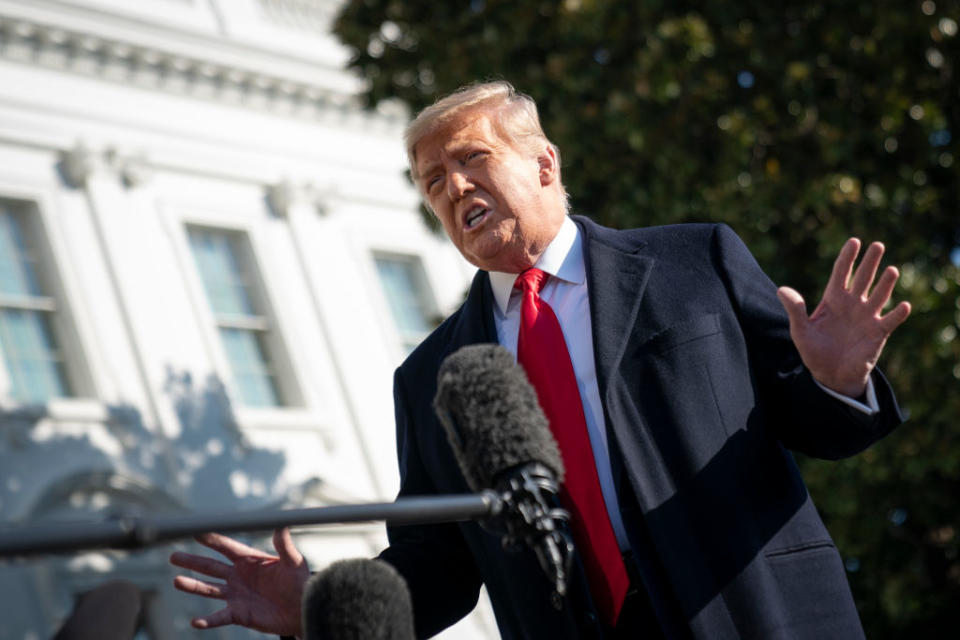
(408, 294)
(226, 268)
(28, 344)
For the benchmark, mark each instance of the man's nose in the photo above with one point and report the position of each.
(458, 184)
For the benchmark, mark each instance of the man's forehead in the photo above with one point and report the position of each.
(471, 125)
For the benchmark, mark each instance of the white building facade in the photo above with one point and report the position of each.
(210, 265)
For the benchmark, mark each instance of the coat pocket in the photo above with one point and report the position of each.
(677, 378)
(814, 591)
(679, 334)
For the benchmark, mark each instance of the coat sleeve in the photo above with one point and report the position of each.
(805, 418)
(434, 559)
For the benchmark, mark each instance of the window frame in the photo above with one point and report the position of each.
(32, 207)
(377, 230)
(264, 320)
(427, 301)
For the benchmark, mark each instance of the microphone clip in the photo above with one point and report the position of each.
(531, 518)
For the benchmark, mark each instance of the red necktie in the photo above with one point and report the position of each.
(542, 352)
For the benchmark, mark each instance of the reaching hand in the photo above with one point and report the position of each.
(842, 340)
(262, 591)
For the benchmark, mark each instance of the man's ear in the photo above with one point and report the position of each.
(549, 165)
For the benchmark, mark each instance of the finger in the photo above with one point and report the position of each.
(228, 547)
(200, 587)
(283, 543)
(884, 289)
(217, 619)
(795, 307)
(200, 564)
(842, 267)
(895, 318)
(863, 277)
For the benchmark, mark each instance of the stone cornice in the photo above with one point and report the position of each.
(151, 68)
(132, 169)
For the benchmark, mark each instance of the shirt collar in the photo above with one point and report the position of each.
(562, 259)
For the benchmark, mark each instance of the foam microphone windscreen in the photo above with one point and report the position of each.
(358, 599)
(491, 415)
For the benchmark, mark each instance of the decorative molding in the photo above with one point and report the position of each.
(280, 198)
(151, 68)
(284, 195)
(135, 171)
(306, 15)
(79, 164)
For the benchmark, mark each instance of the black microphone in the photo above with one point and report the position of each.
(358, 599)
(502, 439)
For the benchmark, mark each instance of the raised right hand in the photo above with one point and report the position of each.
(261, 591)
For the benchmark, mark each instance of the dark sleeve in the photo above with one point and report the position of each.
(806, 418)
(434, 559)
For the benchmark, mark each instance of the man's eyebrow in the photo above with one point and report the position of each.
(429, 167)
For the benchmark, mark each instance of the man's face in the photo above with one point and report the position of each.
(490, 196)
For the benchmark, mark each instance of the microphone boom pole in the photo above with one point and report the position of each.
(134, 532)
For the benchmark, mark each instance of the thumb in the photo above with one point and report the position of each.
(795, 307)
(283, 543)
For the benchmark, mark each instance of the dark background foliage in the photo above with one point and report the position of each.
(797, 123)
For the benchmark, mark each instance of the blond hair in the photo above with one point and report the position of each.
(513, 113)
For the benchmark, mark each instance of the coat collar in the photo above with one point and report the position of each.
(475, 324)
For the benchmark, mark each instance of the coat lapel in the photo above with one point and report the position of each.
(616, 279)
(617, 274)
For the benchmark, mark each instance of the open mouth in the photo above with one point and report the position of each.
(475, 216)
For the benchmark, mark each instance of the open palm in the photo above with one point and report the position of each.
(261, 591)
(842, 339)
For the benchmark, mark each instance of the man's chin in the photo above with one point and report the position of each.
(500, 263)
(488, 262)
(485, 254)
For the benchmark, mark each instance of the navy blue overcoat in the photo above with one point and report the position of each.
(703, 395)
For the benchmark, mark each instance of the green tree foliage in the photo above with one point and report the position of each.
(798, 124)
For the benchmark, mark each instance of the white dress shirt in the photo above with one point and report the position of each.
(566, 293)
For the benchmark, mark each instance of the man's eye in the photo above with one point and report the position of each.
(433, 182)
(474, 155)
